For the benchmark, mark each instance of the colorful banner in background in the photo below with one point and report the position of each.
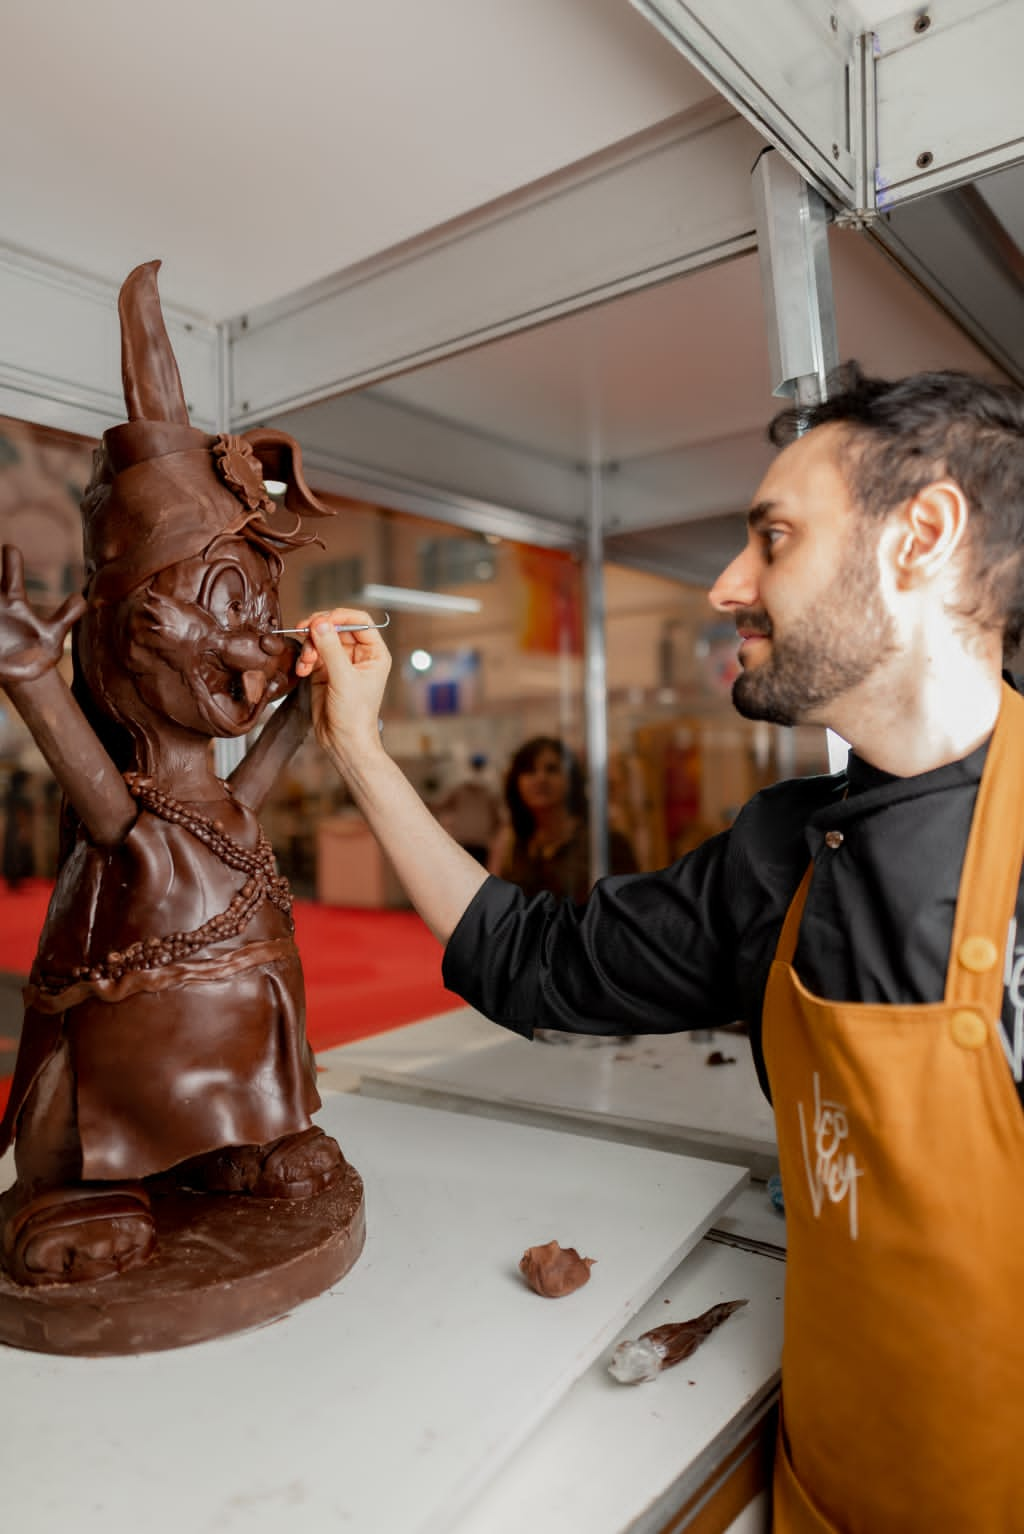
(551, 602)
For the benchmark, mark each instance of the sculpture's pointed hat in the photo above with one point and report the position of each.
(161, 489)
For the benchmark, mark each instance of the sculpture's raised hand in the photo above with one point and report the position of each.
(30, 646)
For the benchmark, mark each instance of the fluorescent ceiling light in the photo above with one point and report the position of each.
(405, 599)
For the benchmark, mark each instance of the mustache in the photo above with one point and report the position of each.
(754, 621)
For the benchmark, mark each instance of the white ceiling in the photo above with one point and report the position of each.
(257, 146)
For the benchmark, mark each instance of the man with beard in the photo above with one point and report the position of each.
(863, 924)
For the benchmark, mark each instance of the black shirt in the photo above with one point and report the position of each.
(690, 946)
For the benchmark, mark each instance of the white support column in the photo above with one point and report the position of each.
(596, 678)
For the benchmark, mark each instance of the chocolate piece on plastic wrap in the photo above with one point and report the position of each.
(643, 1358)
(554, 1270)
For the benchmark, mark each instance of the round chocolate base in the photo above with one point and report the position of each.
(224, 1262)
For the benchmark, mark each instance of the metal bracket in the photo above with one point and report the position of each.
(796, 276)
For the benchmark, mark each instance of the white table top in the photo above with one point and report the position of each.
(610, 1454)
(651, 1090)
(392, 1400)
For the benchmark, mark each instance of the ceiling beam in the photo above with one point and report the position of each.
(60, 349)
(787, 66)
(370, 447)
(948, 100)
(661, 203)
(960, 255)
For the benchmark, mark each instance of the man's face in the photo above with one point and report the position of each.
(805, 594)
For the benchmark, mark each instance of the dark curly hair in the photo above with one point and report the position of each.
(524, 759)
(903, 434)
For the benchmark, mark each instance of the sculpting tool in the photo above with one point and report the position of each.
(342, 628)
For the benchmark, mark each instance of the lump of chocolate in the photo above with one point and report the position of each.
(554, 1270)
(716, 1057)
(645, 1357)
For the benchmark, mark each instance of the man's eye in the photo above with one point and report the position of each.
(772, 535)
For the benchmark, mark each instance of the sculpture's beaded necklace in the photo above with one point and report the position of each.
(263, 883)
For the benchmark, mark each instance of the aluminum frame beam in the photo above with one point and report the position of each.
(369, 446)
(60, 350)
(786, 66)
(906, 113)
(925, 101)
(662, 203)
(947, 93)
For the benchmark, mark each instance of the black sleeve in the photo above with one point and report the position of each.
(645, 953)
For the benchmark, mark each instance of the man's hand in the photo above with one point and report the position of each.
(349, 674)
(30, 646)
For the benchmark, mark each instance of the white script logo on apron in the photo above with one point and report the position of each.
(832, 1171)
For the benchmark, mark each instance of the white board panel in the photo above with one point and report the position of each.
(385, 1404)
(657, 1087)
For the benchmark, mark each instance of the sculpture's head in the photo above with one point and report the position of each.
(183, 547)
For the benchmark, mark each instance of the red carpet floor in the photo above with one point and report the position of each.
(366, 971)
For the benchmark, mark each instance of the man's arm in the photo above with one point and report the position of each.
(349, 673)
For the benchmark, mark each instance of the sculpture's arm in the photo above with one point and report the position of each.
(258, 770)
(30, 648)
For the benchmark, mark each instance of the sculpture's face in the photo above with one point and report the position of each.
(199, 647)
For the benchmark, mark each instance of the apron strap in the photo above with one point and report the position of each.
(990, 878)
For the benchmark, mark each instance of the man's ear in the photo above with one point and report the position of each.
(930, 531)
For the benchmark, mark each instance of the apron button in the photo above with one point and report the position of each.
(833, 839)
(969, 1029)
(978, 954)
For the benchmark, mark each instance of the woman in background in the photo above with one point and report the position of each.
(546, 844)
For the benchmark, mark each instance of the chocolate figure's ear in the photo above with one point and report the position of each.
(152, 383)
(281, 458)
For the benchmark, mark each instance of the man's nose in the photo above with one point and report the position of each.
(737, 585)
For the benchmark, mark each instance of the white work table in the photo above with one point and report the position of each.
(430, 1390)
(656, 1090)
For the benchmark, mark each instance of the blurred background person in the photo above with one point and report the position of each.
(471, 812)
(546, 845)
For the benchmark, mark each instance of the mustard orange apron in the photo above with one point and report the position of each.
(901, 1142)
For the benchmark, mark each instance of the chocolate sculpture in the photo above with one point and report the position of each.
(164, 1046)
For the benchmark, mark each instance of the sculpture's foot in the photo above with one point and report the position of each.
(302, 1165)
(79, 1234)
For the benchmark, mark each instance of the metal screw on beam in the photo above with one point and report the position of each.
(922, 23)
(925, 159)
(833, 21)
(835, 151)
